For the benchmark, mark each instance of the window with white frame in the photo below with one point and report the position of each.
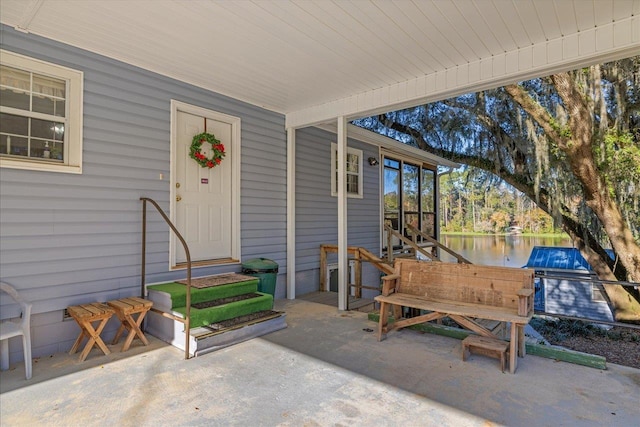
(354, 171)
(40, 115)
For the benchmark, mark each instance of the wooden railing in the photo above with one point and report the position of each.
(415, 233)
(359, 255)
(376, 261)
(186, 319)
(413, 246)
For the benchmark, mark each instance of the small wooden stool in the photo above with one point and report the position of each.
(486, 346)
(125, 308)
(85, 315)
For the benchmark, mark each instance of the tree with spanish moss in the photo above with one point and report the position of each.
(570, 142)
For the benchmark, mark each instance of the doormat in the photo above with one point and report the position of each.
(223, 301)
(256, 317)
(224, 279)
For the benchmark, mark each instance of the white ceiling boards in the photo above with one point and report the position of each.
(317, 60)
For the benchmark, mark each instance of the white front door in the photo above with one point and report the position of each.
(203, 196)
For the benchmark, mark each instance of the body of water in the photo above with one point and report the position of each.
(503, 250)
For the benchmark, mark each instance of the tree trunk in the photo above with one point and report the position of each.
(576, 142)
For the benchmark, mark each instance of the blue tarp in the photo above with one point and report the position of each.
(546, 257)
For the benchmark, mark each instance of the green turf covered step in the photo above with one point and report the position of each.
(171, 295)
(227, 310)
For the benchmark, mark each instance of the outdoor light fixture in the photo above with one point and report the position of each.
(373, 161)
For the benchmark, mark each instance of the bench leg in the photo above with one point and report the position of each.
(522, 348)
(513, 349)
(397, 312)
(383, 321)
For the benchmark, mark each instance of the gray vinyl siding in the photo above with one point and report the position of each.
(572, 297)
(69, 239)
(316, 209)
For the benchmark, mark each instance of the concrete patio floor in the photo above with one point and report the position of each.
(325, 369)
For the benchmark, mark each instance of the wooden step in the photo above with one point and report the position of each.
(486, 346)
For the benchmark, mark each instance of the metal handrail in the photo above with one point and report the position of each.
(187, 318)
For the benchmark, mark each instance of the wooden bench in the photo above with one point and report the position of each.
(487, 346)
(462, 292)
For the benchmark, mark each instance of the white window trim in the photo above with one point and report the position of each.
(334, 184)
(73, 114)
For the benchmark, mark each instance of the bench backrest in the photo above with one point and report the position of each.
(464, 283)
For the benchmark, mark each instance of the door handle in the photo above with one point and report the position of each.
(178, 198)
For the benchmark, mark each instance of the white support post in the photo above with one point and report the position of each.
(342, 214)
(291, 213)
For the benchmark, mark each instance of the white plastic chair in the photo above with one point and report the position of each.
(13, 329)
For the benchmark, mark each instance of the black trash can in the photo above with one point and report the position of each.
(266, 270)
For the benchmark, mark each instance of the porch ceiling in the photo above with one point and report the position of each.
(316, 60)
